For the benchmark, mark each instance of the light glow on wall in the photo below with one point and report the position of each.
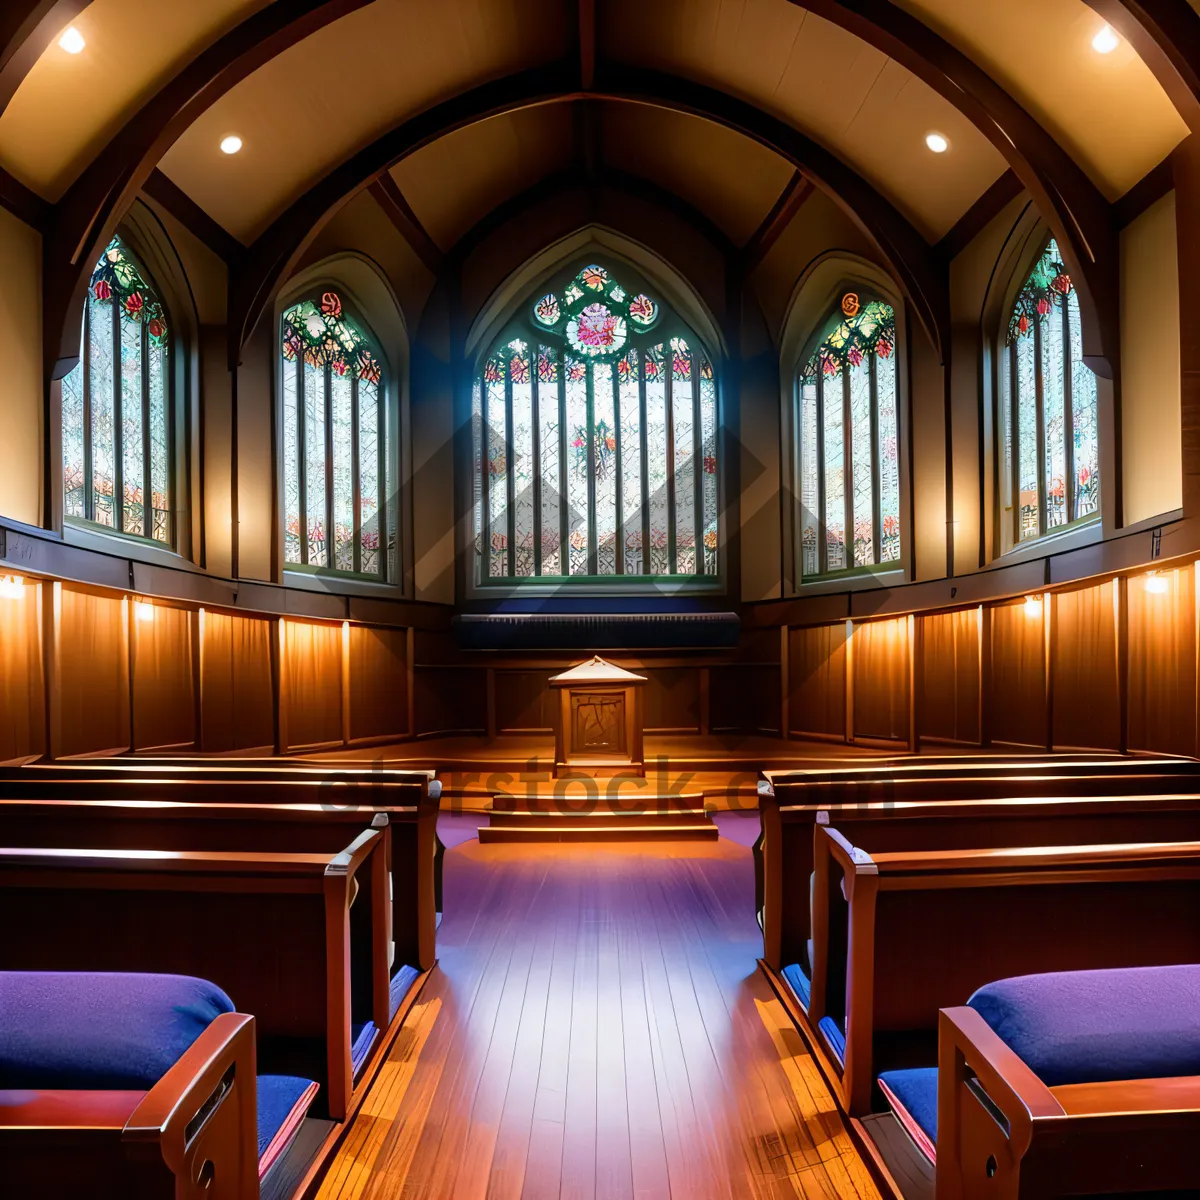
(12, 587)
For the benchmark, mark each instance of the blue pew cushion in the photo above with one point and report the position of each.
(796, 979)
(362, 1038)
(912, 1095)
(834, 1036)
(1099, 1026)
(398, 988)
(99, 1030)
(283, 1101)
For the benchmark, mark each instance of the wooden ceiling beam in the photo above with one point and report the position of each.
(275, 253)
(27, 30)
(387, 194)
(1078, 214)
(989, 206)
(85, 219)
(791, 200)
(166, 192)
(587, 44)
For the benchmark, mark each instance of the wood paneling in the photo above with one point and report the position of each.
(949, 697)
(22, 684)
(672, 699)
(745, 698)
(237, 701)
(1018, 675)
(450, 700)
(1087, 705)
(378, 682)
(312, 668)
(1162, 664)
(880, 654)
(524, 702)
(164, 684)
(93, 653)
(817, 680)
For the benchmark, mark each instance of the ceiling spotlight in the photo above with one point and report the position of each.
(72, 40)
(231, 144)
(1105, 42)
(937, 142)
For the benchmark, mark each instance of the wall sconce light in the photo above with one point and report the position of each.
(143, 610)
(1156, 584)
(12, 587)
(1033, 607)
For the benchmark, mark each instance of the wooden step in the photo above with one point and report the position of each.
(499, 819)
(615, 831)
(626, 800)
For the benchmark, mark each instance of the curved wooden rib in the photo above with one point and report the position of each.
(86, 217)
(1074, 208)
(27, 29)
(270, 259)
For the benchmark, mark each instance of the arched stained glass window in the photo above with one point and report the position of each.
(336, 465)
(595, 441)
(1048, 409)
(849, 442)
(117, 428)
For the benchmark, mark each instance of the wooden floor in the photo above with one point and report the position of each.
(597, 1027)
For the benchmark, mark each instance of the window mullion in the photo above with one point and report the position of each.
(118, 432)
(590, 382)
(510, 553)
(1040, 395)
(147, 481)
(619, 478)
(1068, 416)
(847, 474)
(535, 386)
(302, 455)
(89, 507)
(356, 482)
(330, 541)
(645, 451)
(822, 515)
(876, 464)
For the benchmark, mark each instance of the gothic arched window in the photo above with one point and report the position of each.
(336, 477)
(1047, 410)
(595, 441)
(117, 427)
(849, 442)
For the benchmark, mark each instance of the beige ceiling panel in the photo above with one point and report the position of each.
(1107, 110)
(316, 104)
(731, 179)
(70, 105)
(825, 82)
(455, 182)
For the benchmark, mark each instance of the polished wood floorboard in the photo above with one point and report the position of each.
(597, 1029)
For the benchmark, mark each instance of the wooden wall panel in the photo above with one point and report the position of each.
(450, 699)
(93, 693)
(745, 698)
(949, 705)
(880, 654)
(817, 680)
(312, 669)
(378, 682)
(164, 686)
(237, 703)
(1162, 664)
(1087, 702)
(1018, 702)
(672, 699)
(525, 702)
(22, 681)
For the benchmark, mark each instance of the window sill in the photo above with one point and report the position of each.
(620, 585)
(1084, 532)
(853, 581)
(338, 584)
(99, 538)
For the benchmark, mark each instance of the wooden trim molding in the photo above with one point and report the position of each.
(973, 222)
(166, 192)
(387, 194)
(24, 204)
(1148, 190)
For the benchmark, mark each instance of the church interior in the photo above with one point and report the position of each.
(489, 767)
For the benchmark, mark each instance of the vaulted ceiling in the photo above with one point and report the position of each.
(596, 87)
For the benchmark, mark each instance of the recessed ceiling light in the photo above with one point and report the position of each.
(937, 142)
(231, 144)
(1105, 42)
(72, 40)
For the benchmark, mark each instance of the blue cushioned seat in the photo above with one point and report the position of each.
(796, 979)
(1099, 1026)
(398, 988)
(282, 1102)
(913, 1096)
(99, 1030)
(834, 1036)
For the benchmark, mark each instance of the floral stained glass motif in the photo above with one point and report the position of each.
(622, 448)
(1048, 412)
(338, 494)
(117, 430)
(850, 489)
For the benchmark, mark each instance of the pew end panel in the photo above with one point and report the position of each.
(192, 1136)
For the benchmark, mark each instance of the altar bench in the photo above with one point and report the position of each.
(1057, 1084)
(136, 1087)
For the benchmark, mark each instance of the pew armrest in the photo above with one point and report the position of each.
(201, 1116)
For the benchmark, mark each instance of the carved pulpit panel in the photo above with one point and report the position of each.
(598, 724)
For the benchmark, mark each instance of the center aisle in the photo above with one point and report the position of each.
(597, 1027)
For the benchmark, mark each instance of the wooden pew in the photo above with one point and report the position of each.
(928, 927)
(280, 933)
(783, 851)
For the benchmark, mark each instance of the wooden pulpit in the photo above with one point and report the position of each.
(598, 720)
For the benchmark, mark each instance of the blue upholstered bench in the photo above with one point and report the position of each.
(1121, 1043)
(67, 1033)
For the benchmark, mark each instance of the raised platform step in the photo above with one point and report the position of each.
(575, 800)
(616, 830)
(653, 820)
(501, 819)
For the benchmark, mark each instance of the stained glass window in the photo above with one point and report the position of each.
(1047, 407)
(849, 433)
(596, 441)
(339, 506)
(117, 426)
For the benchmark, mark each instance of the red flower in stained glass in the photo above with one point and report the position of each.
(102, 290)
(710, 539)
(547, 369)
(1043, 306)
(594, 277)
(682, 366)
(156, 328)
(884, 349)
(134, 304)
(1023, 324)
(1084, 474)
(518, 369)
(368, 368)
(891, 526)
(339, 366)
(576, 371)
(1061, 283)
(710, 465)
(653, 367)
(624, 368)
(597, 326)
(331, 304)
(855, 355)
(1057, 488)
(546, 310)
(491, 371)
(642, 309)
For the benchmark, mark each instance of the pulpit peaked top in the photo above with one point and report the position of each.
(596, 670)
